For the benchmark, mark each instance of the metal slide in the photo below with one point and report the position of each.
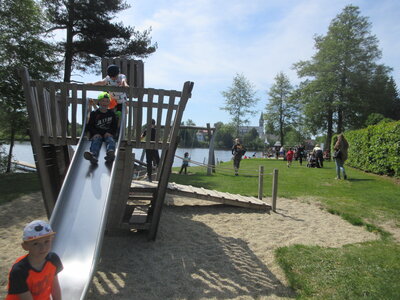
(79, 218)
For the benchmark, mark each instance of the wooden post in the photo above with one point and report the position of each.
(260, 182)
(211, 155)
(274, 189)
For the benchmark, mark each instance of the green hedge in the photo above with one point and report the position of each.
(375, 149)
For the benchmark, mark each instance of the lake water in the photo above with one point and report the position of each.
(23, 152)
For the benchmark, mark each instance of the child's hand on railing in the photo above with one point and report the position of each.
(91, 101)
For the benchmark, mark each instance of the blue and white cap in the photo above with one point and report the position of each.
(37, 229)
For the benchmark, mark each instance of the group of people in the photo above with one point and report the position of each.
(315, 157)
(104, 121)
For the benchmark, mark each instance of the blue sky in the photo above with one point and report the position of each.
(210, 41)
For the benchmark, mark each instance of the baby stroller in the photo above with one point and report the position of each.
(311, 160)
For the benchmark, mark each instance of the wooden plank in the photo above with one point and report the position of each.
(48, 116)
(73, 113)
(138, 117)
(139, 214)
(139, 67)
(124, 68)
(167, 128)
(130, 115)
(48, 193)
(149, 117)
(216, 196)
(84, 105)
(132, 75)
(63, 113)
(53, 106)
(160, 102)
(43, 121)
(167, 164)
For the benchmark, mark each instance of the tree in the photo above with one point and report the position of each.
(240, 100)
(294, 137)
(253, 141)
(22, 43)
(376, 118)
(339, 73)
(381, 95)
(282, 108)
(224, 135)
(188, 138)
(90, 34)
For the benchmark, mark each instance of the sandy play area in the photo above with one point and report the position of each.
(203, 251)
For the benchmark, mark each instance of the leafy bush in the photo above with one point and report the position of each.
(375, 149)
(3, 159)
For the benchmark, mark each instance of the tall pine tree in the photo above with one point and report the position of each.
(91, 34)
(340, 73)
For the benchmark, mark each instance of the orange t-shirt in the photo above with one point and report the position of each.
(113, 103)
(23, 278)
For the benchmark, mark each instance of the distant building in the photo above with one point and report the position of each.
(201, 135)
(243, 130)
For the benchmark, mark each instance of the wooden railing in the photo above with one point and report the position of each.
(58, 110)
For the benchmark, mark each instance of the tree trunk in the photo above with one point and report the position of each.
(10, 151)
(340, 121)
(69, 43)
(329, 130)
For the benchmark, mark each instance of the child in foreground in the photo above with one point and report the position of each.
(102, 126)
(34, 275)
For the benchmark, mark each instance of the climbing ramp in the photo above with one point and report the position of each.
(143, 187)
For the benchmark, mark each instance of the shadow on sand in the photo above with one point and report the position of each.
(189, 260)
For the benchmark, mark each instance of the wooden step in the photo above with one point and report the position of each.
(139, 215)
(141, 197)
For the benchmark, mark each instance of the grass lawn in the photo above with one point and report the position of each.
(15, 185)
(359, 271)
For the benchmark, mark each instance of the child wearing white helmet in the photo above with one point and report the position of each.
(34, 275)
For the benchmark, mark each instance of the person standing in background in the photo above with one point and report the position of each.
(238, 150)
(341, 151)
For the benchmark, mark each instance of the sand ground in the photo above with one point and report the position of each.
(202, 251)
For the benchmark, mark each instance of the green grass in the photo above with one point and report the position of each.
(15, 185)
(358, 271)
(361, 271)
(363, 199)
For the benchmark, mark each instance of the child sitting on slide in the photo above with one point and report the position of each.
(102, 126)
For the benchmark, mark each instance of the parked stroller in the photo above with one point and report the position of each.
(311, 160)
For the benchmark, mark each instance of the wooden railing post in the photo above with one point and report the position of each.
(274, 189)
(260, 182)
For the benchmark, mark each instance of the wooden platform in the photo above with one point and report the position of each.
(203, 194)
(22, 165)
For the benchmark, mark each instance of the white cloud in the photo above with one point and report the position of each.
(209, 41)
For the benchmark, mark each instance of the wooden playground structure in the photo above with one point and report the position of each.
(54, 127)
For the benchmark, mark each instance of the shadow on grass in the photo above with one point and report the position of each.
(359, 179)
